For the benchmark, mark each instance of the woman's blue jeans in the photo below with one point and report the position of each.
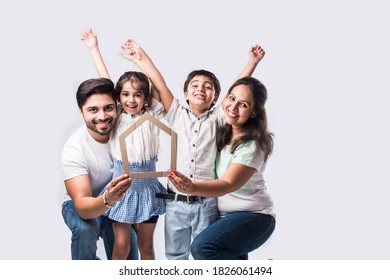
(85, 234)
(233, 236)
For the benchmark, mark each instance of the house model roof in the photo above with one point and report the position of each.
(137, 175)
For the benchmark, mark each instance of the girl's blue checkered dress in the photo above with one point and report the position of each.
(139, 203)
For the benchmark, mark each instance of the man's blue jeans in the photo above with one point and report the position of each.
(85, 234)
(233, 236)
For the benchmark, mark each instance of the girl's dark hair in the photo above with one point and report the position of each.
(256, 127)
(138, 80)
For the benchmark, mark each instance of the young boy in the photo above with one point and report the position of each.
(186, 215)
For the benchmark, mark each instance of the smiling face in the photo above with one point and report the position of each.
(238, 106)
(200, 94)
(131, 98)
(99, 113)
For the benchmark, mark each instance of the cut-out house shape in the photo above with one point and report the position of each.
(122, 142)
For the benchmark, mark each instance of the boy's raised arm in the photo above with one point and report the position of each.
(255, 54)
(90, 39)
(133, 52)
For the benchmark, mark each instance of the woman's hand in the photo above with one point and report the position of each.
(181, 182)
(256, 53)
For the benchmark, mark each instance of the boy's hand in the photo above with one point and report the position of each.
(89, 38)
(131, 50)
(256, 53)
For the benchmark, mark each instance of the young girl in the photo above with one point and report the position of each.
(139, 207)
(244, 144)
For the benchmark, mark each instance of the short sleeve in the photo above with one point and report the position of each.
(174, 111)
(73, 162)
(156, 109)
(249, 154)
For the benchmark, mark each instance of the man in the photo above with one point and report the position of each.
(87, 166)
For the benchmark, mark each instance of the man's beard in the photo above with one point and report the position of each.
(105, 131)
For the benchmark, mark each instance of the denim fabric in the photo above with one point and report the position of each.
(233, 236)
(85, 234)
(184, 221)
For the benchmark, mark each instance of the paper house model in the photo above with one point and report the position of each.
(148, 117)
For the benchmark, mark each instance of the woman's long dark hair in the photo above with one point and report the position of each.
(256, 127)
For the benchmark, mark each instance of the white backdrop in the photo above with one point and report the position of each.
(326, 69)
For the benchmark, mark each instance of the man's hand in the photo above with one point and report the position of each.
(116, 188)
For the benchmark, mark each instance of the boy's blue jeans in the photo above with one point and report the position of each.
(233, 236)
(186, 220)
(85, 234)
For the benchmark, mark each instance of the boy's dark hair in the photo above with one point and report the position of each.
(217, 85)
(138, 80)
(94, 86)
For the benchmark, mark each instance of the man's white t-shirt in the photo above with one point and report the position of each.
(83, 155)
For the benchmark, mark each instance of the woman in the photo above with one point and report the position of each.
(246, 212)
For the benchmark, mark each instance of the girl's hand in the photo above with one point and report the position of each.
(89, 38)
